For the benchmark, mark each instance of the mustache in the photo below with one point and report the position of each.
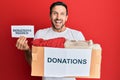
(58, 19)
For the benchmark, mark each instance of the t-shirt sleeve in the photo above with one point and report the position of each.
(37, 34)
(77, 35)
(80, 36)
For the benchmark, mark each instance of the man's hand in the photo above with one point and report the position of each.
(22, 43)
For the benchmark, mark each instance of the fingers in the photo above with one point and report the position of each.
(26, 45)
(22, 43)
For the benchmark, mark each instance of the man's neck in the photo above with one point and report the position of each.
(60, 30)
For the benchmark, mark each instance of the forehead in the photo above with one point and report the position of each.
(59, 8)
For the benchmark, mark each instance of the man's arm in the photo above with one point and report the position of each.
(22, 44)
(28, 56)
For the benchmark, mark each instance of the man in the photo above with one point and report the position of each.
(58, 16)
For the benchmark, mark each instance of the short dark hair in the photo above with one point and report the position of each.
(58, 3)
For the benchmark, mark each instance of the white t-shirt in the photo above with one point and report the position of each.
(69, 34)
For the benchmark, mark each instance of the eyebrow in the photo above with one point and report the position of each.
(54, 11)
(57, 12)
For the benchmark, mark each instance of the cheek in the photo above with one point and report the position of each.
(65, 19)
(53, 17)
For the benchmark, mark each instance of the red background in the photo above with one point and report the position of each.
(98, 20)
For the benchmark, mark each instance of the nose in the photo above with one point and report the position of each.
(58, 16)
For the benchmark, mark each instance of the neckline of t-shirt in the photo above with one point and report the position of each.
(59, 32)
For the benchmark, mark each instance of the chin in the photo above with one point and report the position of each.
(58, 28)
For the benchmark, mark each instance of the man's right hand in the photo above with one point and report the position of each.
(22, 43)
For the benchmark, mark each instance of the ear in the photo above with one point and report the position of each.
(66, 17)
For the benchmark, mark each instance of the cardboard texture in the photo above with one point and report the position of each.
(38, 62)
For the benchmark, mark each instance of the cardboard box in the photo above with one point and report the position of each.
(38, 68)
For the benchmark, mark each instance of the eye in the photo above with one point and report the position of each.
(63, 14)
(54, 13)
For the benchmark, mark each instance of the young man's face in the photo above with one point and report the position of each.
(58, 17)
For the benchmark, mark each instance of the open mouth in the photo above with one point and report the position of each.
(58, 21)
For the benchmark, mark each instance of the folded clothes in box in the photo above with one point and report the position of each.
(38, 68)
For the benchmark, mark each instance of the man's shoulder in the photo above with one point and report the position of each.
(73, 30)
(44, 29)
(77, 35)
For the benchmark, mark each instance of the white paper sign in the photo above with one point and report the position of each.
(22, 30)
(67, 62)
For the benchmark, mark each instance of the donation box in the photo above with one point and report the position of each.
(64, 62)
